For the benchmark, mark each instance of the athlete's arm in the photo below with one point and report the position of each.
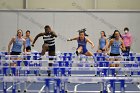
(53, 34)
(122, 45)
(37, 36)
(72, 39)
(106, 45)
(99, 45)
(110, 43)
(89, 41)
(10, 43)
(31, 39)
(24, 45)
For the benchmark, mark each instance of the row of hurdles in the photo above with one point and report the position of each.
(63, 69)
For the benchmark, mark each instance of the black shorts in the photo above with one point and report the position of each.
(111, 54)
(28, 48)
(51, 50)
(102, 49)
(15, 53)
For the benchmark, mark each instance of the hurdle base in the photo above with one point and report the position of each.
(18, 90)
(25, 90)
(10, 74)
(104, 91)
(49, 73)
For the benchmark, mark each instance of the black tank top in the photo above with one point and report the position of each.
(49, 39)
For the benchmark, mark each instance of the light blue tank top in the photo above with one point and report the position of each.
(102, 43)
(28, 42)
(115, 47)
(17, 45)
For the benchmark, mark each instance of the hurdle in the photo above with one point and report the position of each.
(62, 71)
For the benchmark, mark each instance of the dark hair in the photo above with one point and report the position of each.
(126, 28)
(47, 26)
(19, 30)
(27, 31)
(104, 33)
(113, 36)
(83, 32)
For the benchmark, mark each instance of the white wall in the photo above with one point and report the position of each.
(68, 4)
(14, 4)
(66, 24)
(60, 4)
(118, 4)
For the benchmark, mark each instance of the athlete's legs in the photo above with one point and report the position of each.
(51, 51)
(88, 53)
(99, 51)
(79, 50)
(44, 49)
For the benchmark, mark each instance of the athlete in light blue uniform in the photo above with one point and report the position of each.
(82, 42)
(17, 45)
(103, 43)
(17, 41)
(28, 41)
(115, 48)
(116, 43)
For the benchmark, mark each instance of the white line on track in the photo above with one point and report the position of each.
(41, 89)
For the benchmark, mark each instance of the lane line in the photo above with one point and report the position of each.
(41, 89)
(75, 88)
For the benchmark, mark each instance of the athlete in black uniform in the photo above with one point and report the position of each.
(49, 41)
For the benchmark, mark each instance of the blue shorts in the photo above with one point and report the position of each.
(15, 53)
(84, 50)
